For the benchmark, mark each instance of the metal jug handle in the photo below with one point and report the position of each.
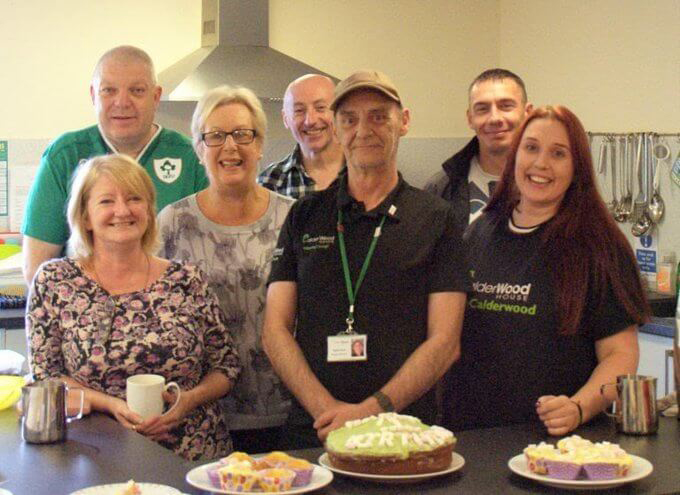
(614, 413)
(82, 404)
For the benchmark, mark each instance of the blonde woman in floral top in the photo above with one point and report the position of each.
(230, 230)
(114, 310)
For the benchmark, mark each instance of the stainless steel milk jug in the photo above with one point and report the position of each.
(635, 406)
(44, 411)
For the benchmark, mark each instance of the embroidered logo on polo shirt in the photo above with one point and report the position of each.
(502, 291)
(168, 169)
(277, 253)
(312, 243)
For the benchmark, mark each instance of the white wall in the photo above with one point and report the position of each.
(49, 48)
(431, 49)
(615, 63)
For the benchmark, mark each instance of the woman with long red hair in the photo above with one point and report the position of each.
(556, 298)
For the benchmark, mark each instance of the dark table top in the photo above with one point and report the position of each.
(100, 451)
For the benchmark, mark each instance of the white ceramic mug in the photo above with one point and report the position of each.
(145, 394)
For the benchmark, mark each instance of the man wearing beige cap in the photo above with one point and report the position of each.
(371, 259)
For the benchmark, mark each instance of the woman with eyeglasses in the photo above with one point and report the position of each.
(230, 230)
(114, 310)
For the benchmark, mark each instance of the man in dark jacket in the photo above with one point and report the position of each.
(497, 107)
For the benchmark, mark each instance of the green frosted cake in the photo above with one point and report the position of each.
(391, 444)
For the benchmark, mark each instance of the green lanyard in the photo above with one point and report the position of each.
(352, 293)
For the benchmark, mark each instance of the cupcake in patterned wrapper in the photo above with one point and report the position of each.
(214, 477)
(239, 477)
(274, 459)
(237, 457)
(276, 479)
(303, 471)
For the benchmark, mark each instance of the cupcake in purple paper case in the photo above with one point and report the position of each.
(536, 456)
(276, 479)
(303, 471)
(564, 466)
(573, 443)
(606, 461)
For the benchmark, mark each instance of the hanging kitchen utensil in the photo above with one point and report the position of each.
(629, 160)
(656, 208)
(639, 203)
(642, 223)
(675, 169)
(602, 160)
(611, 145)
(621, 213)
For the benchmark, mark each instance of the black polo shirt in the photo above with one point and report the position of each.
(418, 252)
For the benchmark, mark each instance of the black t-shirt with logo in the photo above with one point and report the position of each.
(419, 252)
(512, 352)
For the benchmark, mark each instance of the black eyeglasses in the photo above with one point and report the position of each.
(217, 138)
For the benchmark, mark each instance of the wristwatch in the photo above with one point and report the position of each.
(384, 401)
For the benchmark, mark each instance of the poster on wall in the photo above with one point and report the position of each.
(646, 253)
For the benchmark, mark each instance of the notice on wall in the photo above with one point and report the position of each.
(20, 182)
(646, 253)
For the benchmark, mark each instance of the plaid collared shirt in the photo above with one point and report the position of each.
(288, 177)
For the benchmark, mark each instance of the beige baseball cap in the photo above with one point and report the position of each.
(365, 79)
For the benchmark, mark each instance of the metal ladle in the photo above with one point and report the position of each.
(614, 204)
(643, 222)
(656, 206)
(630, 167)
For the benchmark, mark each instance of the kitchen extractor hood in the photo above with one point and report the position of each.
(234, 50)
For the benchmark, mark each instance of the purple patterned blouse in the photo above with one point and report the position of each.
(174, 328)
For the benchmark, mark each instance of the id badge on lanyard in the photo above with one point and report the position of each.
(350, 345)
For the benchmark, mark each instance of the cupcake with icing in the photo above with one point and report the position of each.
(276, 479)
(303, 471)
(563, 465)
(536, 456)
(239, 477)
(606, 461)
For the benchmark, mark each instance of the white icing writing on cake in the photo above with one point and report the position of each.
(391, 428)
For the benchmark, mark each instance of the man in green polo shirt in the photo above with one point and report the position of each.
(125, 97)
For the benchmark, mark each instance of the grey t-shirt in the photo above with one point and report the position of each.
(237, 261)
(482, 185)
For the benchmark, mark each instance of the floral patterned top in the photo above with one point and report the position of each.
(236, 260)
(174, 328)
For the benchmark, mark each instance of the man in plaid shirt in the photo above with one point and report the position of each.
(317, 157)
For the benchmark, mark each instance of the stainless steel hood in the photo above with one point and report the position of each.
(234, 50)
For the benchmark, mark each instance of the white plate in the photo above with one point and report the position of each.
(457, 462)
(198, 477)
(640, 469)
(113, 489)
